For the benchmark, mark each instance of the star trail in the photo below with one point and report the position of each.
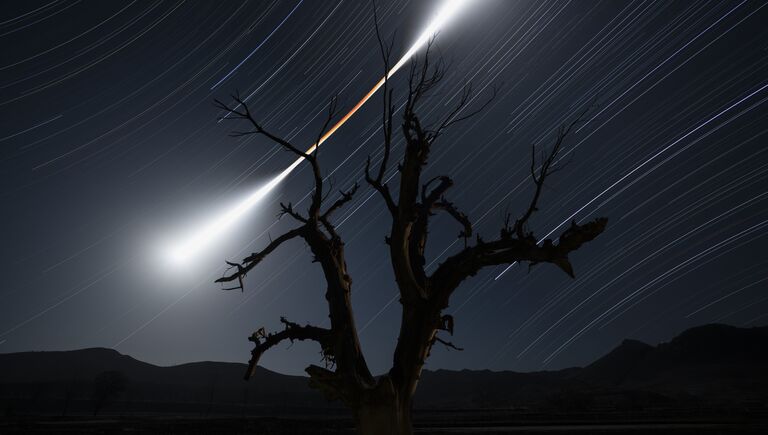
(112, 150)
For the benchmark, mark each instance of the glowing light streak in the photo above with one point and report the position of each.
(640, 166)
(183, 251)
(258, 46)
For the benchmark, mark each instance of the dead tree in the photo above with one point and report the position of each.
(382, 405)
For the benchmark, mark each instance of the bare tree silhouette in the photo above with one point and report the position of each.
(382, 405)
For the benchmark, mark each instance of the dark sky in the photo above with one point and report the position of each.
(110, 150)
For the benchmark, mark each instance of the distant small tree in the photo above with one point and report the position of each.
(106, 387)
(382, 405)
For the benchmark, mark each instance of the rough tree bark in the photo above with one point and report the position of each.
(382, 405)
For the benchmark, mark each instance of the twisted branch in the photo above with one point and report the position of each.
(292, 331)
(252, 260)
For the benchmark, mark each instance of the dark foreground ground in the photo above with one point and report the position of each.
(457, 422)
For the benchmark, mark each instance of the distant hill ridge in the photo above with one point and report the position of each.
(711, 362)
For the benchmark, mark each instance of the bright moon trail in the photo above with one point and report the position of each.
(186, 249)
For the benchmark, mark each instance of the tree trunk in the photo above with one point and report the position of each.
(386, 409)
(381, 412)
(383, 418)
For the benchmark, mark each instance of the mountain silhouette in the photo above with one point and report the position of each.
(707, 364)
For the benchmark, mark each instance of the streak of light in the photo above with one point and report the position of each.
(163, 311)
(665, 61)
(395, 297)
(30, 128)
(92, 64)
(746, 307)
(68, 40)
(636, 266)
(258, 46)
(736, 237)
(32, 12)
(760, 317)
(66, 298)
(40, 19)
(183, 251)
(638, 167)
(725, 297)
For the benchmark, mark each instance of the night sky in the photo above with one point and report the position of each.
(110, 152)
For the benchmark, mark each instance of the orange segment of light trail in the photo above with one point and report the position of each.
(344, 119)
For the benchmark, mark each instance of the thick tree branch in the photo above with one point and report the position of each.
(428, 200)
(252, 260)
(287, 209)
(345, 198)
(380, 186)
(460, 217)
(508, 249)
(446, 343)
(292, 331)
